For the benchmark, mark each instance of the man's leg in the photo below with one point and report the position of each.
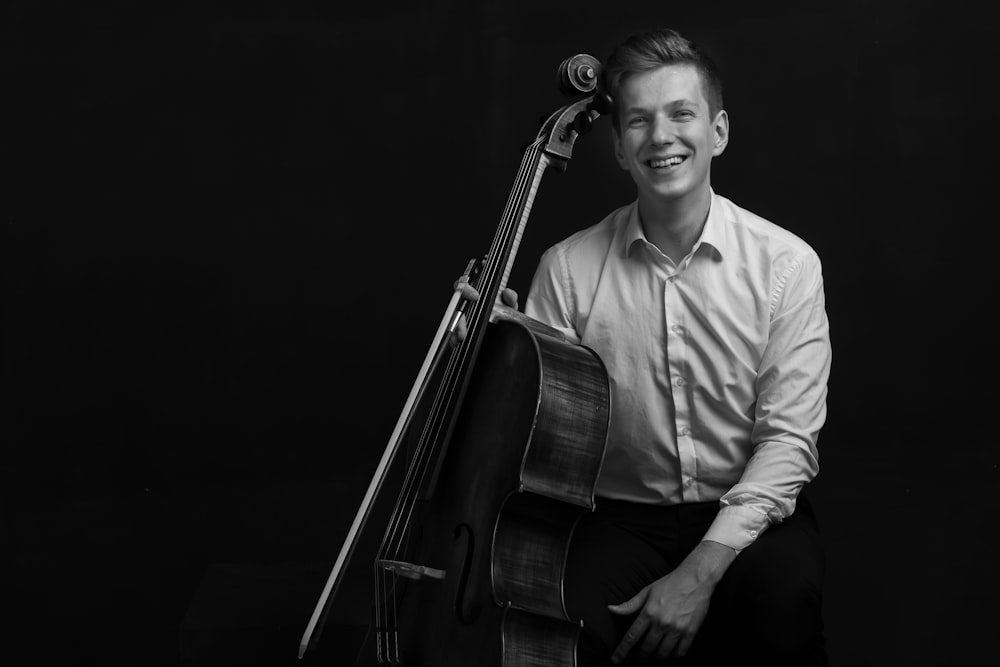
(610, 560)
(615, 552)
(768, 607)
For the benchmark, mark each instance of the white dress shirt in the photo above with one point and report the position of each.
(718, 363)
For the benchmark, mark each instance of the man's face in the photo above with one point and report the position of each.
(667, 136)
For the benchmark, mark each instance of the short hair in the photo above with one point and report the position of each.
(647, 51)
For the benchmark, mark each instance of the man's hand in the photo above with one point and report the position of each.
(672, 608)
(507, 296)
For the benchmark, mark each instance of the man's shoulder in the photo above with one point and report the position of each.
(597, 238)
(761, 234)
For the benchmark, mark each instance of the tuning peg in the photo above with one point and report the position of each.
(582, 122)
(578, 74)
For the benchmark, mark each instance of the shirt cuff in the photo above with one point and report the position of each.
(737, 526)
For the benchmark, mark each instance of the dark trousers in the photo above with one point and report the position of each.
(766, 609)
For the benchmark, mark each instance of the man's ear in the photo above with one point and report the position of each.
(721, 127)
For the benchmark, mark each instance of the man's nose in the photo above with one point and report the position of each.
(663, 131)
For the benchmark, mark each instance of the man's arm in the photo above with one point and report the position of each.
(548, 299)
(791, 408)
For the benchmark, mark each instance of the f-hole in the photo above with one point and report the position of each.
(465, 617)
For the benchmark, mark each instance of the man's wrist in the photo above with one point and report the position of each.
(713, 559)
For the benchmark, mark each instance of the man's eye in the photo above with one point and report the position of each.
(685, 114)
(636, 121)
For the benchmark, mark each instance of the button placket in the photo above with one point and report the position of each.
(676, 363)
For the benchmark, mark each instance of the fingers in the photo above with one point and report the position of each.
(654, 641)
(471, 294)
(468, 291)
(667, 645)
(661, 644)
(460, 332)
(684, 644)
(658, 635)
(508, 296)
(633, 635)
(638, 627)
(631, 605)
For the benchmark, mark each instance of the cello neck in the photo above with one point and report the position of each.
(553, 146)
(499, 260)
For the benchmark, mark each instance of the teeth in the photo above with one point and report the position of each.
(669, 162)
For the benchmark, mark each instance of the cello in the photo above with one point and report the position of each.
(459, 545)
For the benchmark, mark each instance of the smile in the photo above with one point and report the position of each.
(664, 163)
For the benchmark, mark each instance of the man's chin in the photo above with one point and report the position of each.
(668, 190)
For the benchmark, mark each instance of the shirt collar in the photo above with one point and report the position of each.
(713, 234)
(633, 230)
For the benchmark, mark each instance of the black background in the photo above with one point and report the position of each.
(230, 230)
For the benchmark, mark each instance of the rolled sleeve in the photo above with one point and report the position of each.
(737, 526)
(790, 410)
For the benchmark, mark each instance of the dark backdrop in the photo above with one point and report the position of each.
(230, 230)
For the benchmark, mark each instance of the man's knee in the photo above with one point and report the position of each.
(771, 599)
(787, 620)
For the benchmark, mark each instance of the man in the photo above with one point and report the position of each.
(711, 322)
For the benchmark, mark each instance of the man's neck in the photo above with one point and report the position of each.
(674, 225)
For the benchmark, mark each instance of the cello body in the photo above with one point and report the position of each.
(524, 459)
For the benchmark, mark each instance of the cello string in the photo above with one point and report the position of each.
(437, 413)
(475, 319)
(386, 581)
(382, 587)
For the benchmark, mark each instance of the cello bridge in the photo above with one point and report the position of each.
(410, 570)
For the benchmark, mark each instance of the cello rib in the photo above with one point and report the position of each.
(529, 641)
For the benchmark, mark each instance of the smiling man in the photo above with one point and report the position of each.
(711, 322)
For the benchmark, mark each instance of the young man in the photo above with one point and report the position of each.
(712, 325)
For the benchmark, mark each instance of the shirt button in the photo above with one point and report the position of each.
(688, 481)
(676, 328)
(684, 431)
(679, 382)
(753, 533)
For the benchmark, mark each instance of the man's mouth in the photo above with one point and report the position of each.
(663, 163)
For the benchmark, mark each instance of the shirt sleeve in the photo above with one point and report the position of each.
(550, 295)
(791, 409)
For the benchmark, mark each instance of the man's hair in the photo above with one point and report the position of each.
(645, 52)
